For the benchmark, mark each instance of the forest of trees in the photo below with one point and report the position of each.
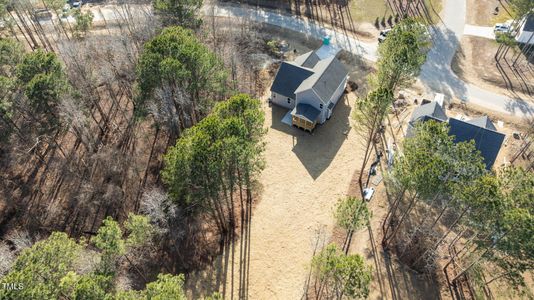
(60, 267)
(94, 128)
(447, 203)
(443, 201)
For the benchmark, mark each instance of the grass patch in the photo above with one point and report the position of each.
(434, 8)
(370, 10)
(501, 18)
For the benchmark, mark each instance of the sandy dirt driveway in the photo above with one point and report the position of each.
(305, 175)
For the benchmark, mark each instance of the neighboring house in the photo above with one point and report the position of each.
(310, 86)
(481, 130)
(525, 35)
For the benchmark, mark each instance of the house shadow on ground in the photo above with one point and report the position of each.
(316, 150)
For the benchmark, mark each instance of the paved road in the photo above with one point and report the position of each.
(302, 25)
(436, 74)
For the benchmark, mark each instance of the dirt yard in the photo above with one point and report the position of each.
(304, 176)
(481, 12)
(475, 63)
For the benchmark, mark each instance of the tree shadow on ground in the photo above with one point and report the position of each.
(516, 70)
(228, 273)
(316, 150)
(396, 281)
(519, 105)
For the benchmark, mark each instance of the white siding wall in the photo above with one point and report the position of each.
(525, 37)
(281, 100)
(339, 91)
(335, 98)
(310, 97)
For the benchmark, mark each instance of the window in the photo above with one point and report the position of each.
(320, 106)
(288, 100)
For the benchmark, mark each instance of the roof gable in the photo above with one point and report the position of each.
(432, 109)
(299, 60)
(412, 123)
(487, 141)
(319, 70)
(484, 122)
(289, 78)
(308, 60)
(311, 60)
(328, 74)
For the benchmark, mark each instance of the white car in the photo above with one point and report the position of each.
(501, 28)
(368, 193)
(76, 3)
(383, 34)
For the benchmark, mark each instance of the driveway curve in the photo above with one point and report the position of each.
(438, 76)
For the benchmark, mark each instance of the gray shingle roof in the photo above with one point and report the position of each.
(484, 122)
(307, 111)
(328, 75)
(432, 109)
(289, 78)
(487, 141)
(308, 71)
(307, 60)
(299, 60)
